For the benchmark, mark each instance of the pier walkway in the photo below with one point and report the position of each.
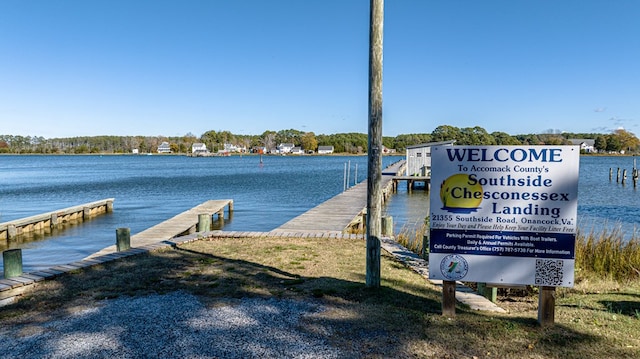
(342, 212)
(181, 224)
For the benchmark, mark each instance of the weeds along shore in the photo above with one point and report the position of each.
(607, 255)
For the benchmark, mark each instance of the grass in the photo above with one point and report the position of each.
(400, 319)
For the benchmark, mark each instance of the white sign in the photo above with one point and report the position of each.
(504, 214)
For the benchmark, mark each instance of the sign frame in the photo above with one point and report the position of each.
(504, 214)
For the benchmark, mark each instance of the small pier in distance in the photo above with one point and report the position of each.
(181, 224)
(411, 182)
(11, 229)
(340, 213)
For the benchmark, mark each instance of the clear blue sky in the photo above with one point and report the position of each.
(156, 67)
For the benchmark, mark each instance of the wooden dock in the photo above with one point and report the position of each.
(411, 182)
(179, 225)
(11, 229)
(341, 213)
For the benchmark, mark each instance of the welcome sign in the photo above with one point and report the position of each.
(504, 214)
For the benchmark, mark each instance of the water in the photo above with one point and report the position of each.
(151, 189)
(604, 204)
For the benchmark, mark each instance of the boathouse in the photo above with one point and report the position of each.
(419, 158)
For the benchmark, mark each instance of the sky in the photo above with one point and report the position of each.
(174, 67)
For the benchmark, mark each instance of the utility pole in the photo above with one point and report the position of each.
(374, 169)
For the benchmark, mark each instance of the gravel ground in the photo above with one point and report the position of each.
(175, 325)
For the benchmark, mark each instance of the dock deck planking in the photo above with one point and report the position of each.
(338, 213)
(175, 226)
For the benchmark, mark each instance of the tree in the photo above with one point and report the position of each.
(269, 140)
(309, 141)
(628, 141)
(445, 133)
(613, 143)
(475, 136)
(600, 143)
(503, 138)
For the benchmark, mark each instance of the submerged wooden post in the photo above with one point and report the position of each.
(618, 176)
(204, 222)
(624, 176)
(448, 298)
(123, 239)
(546, 306)
(387, 226)
(374, 148)
(12, 260)
(610, 174)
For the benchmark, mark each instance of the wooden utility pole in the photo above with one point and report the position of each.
(374, 169)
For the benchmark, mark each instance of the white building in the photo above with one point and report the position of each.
(164, 148)
(586, 145)
(325, 150)
(199, 149)
(285, 147)
(419, 158)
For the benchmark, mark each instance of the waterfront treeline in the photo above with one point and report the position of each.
(353, 143)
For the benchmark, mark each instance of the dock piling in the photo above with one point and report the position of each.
(12, 262)
(204, 222)
(387, 226)
(123, 239)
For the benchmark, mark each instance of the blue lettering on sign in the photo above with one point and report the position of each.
(505, 154)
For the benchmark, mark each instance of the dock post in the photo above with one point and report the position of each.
(624, 176)
(54, 220)
(123, 239)
(86, 213)
(449, 298)
(12, 231)
(387, 226)
(204, 222)
(109, 206)
(490, 293)
(546, 306)
(230, 207)
(618, 176)
(12, 262)
(425, 246)
(610, 174)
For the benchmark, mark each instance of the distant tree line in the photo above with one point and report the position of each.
(354, 143)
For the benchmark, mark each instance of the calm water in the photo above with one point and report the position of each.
(151, 189)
